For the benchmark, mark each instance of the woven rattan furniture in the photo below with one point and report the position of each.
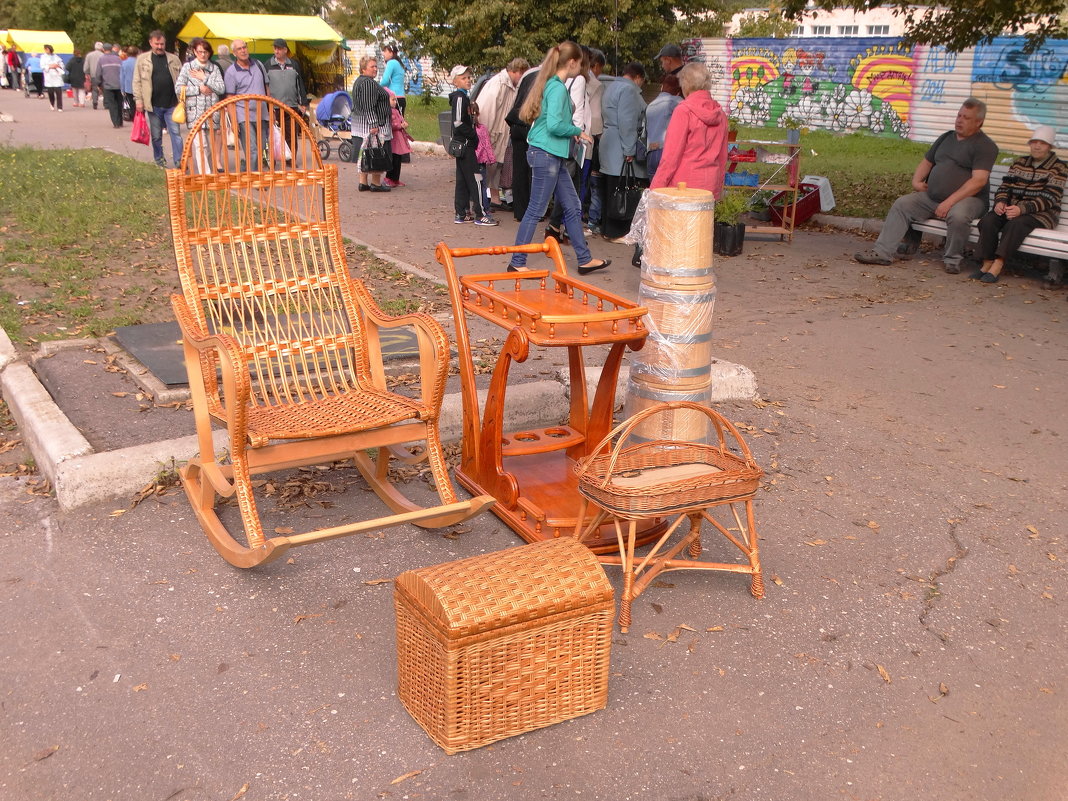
(500, 644)
(671, 479)
(281, 343)
(529, 472)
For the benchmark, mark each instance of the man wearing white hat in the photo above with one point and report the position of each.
(1028, 198)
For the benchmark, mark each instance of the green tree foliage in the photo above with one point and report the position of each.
(959, 24)
(771, 24)
(488, 34)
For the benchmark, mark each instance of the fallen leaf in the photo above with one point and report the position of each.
(45, 753)
(299, 618)
(1052, 557)
(117, 513)
(999, 386)
(884, 674)
(776, 580)
(89, 361)
(1013, 570)
(241, 792)
(873, 525)
(1032, 529)
(674, 636)
(815, 542)
(652, 635)
(372, 582)
(120, 394)
(1046, 690)
(715, 628)
(140, 687)
(284, 530)
(406, 776)
(684, 627)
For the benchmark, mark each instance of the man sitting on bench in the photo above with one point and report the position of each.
(951, 183)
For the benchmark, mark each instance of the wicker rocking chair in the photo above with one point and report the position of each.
(281, 344)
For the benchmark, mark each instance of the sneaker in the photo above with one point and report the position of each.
(871, 257)
(398, 183)
(488, 221)
(593, 230)
(954, 269)
(388, 182)
(161, 163)
(460, 219)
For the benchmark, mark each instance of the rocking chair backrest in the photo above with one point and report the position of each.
(257, 239)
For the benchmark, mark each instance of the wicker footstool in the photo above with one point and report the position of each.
(670, 479)
(500, 644)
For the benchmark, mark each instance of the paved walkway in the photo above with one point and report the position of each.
(912, 643)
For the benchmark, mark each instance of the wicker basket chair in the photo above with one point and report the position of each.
(281, 344)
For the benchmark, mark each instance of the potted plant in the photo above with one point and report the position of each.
(732, 129)
(793, 127)
(729, 234)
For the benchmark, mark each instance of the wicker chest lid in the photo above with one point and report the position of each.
(501, 589)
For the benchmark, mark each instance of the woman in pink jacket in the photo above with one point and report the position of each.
(695, 146)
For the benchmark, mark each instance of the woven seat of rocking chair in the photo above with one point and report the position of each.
(346, 413)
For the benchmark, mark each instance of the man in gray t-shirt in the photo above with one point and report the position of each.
(952, 183)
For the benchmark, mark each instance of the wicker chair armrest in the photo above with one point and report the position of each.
(433, 346)
(236, 380)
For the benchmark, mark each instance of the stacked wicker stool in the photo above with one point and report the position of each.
(686, 481)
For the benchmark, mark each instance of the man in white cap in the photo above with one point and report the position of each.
(1029, 197)
(952, 183)
(468, 194)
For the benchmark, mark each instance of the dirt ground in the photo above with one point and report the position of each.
(912, 642)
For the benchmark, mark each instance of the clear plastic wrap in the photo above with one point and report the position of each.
(678, 350)
(678, 287)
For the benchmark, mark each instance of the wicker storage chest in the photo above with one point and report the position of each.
(503, 643)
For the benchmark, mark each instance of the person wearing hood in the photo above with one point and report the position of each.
(695, 145)
(1029, 197)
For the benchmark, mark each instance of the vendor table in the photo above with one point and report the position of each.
(532, 473)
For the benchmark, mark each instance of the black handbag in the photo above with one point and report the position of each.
(373, 156)
(624, 198)
(457, 147)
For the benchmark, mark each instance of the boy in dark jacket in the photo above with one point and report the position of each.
(468, 181)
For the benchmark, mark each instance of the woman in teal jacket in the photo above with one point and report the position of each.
(547, 110)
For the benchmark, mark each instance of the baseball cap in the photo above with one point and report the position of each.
(1044, 133)
(457, 71)
(281, 43)
(669, 51)
(107, 46)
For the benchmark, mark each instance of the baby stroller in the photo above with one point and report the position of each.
(332, 125)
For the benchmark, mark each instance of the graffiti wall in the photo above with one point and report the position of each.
(887, 87)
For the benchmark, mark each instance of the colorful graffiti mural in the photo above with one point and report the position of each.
(888, 87)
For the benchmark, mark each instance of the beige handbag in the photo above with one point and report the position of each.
(179, 111)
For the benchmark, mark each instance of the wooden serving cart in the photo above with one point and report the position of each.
(530, 473)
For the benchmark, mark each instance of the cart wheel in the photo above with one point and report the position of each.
(324, 149)
(344, 151)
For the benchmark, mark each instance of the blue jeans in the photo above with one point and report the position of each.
(550, 179)
(158, 118)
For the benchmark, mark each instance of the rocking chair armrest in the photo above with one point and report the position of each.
(236, 378)
(433, 344)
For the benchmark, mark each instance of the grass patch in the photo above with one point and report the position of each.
(423, 119)
(85, 243)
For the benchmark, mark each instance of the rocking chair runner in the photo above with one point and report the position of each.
(268, 303)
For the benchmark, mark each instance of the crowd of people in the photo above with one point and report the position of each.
(567, 133)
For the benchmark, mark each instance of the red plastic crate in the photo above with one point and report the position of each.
(808, 203)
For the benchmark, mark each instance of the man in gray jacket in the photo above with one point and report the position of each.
(89, 65)
(108, 76)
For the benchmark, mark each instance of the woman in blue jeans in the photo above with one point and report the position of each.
(547, 110)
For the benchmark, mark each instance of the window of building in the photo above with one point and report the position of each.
(821, 30)
(878, 30)
(799, 30)
(848, 30)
